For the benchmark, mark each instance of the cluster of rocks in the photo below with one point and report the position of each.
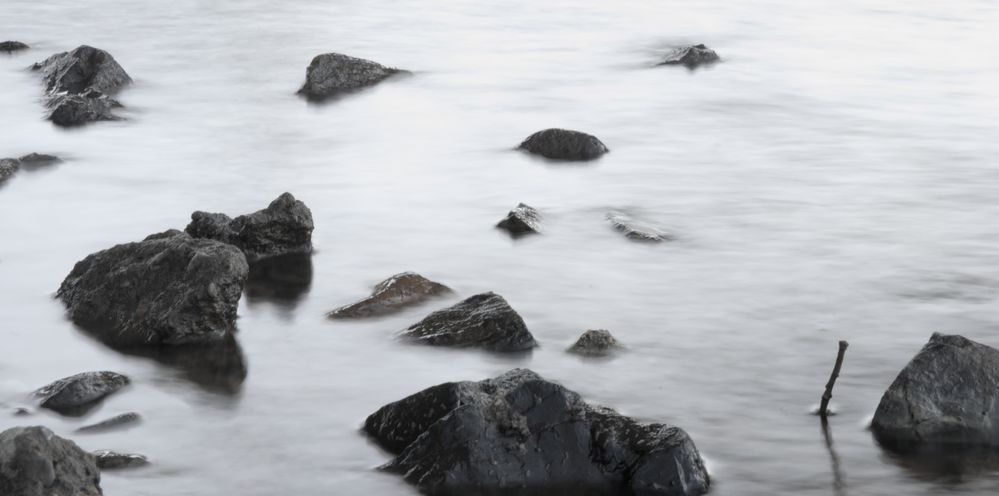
(10, 166)
(79, 84)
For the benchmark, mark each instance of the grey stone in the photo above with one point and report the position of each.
(393, 295)
(331, 74)
(78, 83)
(12, 46)
(112, 460)
(595, 343)
(38, 160)
(564, 144)
(8, 167)
(284, 227)
(36, 462)
(522, 434)
(482, 321)
(524, 219)
(117, 422)
(690, 56)
(636, 229)
(70, 110)
(77, 394)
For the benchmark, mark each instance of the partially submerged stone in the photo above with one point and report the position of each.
(564, 144)
(331, 74)
(482, 321)
(524, 219)
(595, 343)
(637, 229)
(77, 394)
(690, 56)
(79, 84)
(70, 110)
(122, 421)
(12, 46)
(284, 227)
(392, 295)
(36, 462)
(38, 160)
(8, 167)
(113, 460)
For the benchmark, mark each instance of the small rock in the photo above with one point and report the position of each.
(284, 227)
(112, 460)
(75, 110)
(524, 219)
(12, 46)
(482, 321)
(637, 229)
(595, 343)
(77, 394)
(690, 56)
(124, 420)
(36, 462)
(564, 144)
(8, 167)
(21, 412)
(330, 74)
(39, 160)
(393, 295)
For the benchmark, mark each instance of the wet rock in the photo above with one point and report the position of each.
(122, 421)
(482, 321)
(79, 83)
(564, 144)
(38, 160)
(76, 110)
(36, 462)
(169, 289)
(690, 56)
(393, 295)
(112, 460)
(330, 74)
(945, 395)
(21, 412)
(637, 229)
(77, 394)
(595, 343)
(519, 432)
(285, 226)
(12, 46)
(8, 167)
(524, 219)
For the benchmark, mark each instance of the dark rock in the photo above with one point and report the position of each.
(84, 68)
(522, 220)
(112, 460)
(563, 144)
(21, 412)
(330, 74)
(8, 167)
(12, 46)
(122, 421)
(38, 160)
(169, 289)
(393, 295)
(481, 321)
(637, 229)
(285, 226)
(690, 56)
(281, 279)
(75, 110)
(77, 394)
(36, 462)
(521, 433)
(945, 395)
(595, 343)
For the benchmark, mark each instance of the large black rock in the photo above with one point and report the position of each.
(77, 394)
(392, 295)
(79, 83)
(690, 56)
(36, 462)
(284, 227)
(482, 321)
(520, 434)
(564, 144)
(330, 74)
(169, 289)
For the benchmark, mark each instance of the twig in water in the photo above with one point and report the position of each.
(826, 396)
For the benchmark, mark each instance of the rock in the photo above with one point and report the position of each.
(482, 321)
(8, 167)
(524, 219)
(169, 289)
(112, 460)
(392, 295)
(945, 395)
(38, 160)
(519, 432)
(330, 74)
(595, 343)
(78, 84)
(12, 46)
(563, 144)
(124, 420)
(285, 226)
(77, 394)
(36, 462)
(637, 229)
(21, 412)
(75, 110)
(690, 56)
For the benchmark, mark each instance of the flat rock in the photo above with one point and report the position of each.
(121, 421)
(524, 219)
(169, 289)
(38, 160)
(77, 394)
(595, 343)
(521, 434)
(284, 227)
(112, 460)
(36, 462)
(636, 229)
(392, 295)
(331, 74)
(12, 46)
(690, 56)
(564, 144)
(482, 321)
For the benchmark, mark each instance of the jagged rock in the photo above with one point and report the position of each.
(8, 167)
(597, 342)
(12, 46)
(330, 74)
(69, 110)
(524, 219)
(78, 83)
(77, 394)
(124, 420)
(564, 144)
(482, 321)
(284, 227)
(637, 229)
(690, 56)
(518, 432)
(36, 462)
(945, 395)
(169, 289)
(112, 460)
(392, 295)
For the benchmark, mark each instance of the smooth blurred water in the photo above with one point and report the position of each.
(834, 178)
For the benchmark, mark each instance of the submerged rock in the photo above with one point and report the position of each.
(169, 289)
(481, 321)
(36, 462)
(78, 83)
(8, 167)
(393, 295)
(597, 342)
(690, 56)
(524, 219)
(77, 394)
(945, 395)
(112, 460)
(284, 227)
(38, 160)
(12, 46)
(564, 144)
(332, 73)
(75, 110)
(637, 229)
(124, 420)
(519, 432)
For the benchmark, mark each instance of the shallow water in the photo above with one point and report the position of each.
(833, 179)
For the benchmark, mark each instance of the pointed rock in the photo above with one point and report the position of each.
(524, 219)
(330, 74)
(284, 227)
(690, 56)
(393, 295)
(595, 343)
(482, 321)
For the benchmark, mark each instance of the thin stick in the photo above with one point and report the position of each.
(826, 396)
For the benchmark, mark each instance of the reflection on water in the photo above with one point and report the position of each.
(839, 480)
(949, 463)
(282, 280)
